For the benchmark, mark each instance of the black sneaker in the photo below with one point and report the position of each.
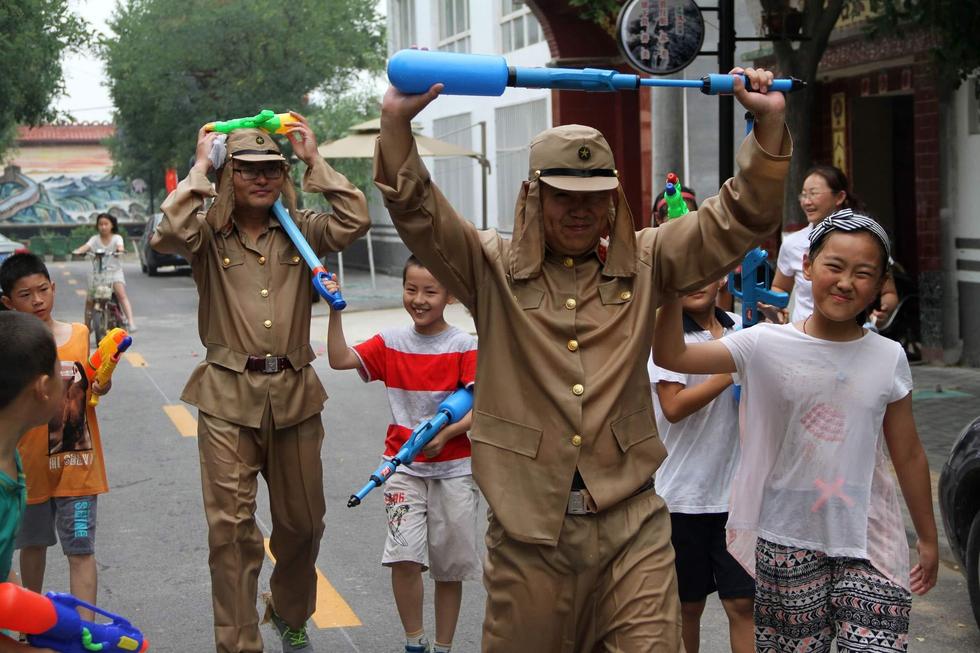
(293, 640)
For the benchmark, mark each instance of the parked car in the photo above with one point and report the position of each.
(150, 259)
(959, 503)
(8, 247)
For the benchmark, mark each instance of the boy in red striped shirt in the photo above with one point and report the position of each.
(431, 506)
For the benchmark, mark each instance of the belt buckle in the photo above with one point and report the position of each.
(579, 503)
(271, 365)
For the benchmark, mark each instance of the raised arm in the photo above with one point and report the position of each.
(447, 245)
(671, 352)
(183, 230)
(339, 355)
(327, 232)
(912, 470)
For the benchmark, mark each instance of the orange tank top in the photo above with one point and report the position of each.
(64, 458)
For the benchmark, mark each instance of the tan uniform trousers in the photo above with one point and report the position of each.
(232, 456)
(608, 587)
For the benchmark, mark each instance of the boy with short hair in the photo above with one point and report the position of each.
(431, 505)
(63, 460)
(697, 418)
(30, 394)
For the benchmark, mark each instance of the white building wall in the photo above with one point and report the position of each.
(964, 241)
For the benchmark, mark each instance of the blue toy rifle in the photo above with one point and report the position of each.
(415, 71)
(752, 290)
(452, 409)
(53, 622)
(320, 274)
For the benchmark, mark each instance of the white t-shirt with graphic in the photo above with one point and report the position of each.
(702, 448)
(813, 471)
(790, 263)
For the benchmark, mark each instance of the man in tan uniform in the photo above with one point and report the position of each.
(259, 398)
(564, 439)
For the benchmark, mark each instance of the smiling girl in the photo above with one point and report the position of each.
(814, 514)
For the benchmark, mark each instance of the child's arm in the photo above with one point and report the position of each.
(434, 448)
(82, 250)
(679, 401)
(912, 469)
(671, 352)
(339, 354)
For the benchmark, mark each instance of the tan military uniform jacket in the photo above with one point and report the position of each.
(562, 380)
(255, 298)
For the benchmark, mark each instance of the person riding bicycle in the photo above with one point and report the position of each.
(108, 240)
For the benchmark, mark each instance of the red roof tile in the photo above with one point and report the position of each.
(80, 133)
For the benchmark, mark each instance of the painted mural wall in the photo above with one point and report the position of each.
(65, 185)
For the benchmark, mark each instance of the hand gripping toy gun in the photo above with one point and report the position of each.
(751, 290)
(267, 120)
(415, 71)
(52, 621)
(676, 206)
(320, 274)
(102, 363)
(452, 409)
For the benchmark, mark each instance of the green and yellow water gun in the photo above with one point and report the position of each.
(266, 120)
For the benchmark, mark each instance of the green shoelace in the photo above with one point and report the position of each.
(296, 637)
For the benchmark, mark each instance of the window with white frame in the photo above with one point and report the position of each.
(514, 127)
(454, 25)
(401, 32)
(455, 176)
(518, 26)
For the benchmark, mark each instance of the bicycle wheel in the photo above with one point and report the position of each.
(98, 326)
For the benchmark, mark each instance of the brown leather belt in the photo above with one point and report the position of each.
(580, 502)
(268, 364)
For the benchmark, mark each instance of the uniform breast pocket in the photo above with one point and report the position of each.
(527, 297)
(289, 256)
(231, 259)
(617, 291)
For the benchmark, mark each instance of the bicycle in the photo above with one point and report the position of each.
(105, 312)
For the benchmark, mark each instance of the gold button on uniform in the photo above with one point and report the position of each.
(295, 259)
(578, 389)
(264, 292)
(576, 440)
(570, 303)
(226, 261)
(625, 295)
(573, 345)
(267, 324)
(568, 262)
(261, 260)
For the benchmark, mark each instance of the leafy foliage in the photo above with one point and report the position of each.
(602, 12)
(956, 22)
(34, 35)
(175, 64)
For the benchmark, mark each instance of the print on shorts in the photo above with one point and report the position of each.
(396, 509)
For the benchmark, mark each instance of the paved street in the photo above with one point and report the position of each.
(152, 548)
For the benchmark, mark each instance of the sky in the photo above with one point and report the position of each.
(86, 94)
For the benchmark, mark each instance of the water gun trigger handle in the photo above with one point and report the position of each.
(335, 299)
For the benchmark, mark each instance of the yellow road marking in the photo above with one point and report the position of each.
(73, 282)
(332, 610)
(136, 360)
(80, 292)
(182, 419)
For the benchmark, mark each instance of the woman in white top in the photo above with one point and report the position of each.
(825, 190)
(109, 240)
(814, 513)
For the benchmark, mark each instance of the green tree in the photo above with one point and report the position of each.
(34, 34)
(175, 64)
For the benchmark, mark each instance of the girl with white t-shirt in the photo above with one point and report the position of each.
(825, 190)
(108, 239)
(814, 514)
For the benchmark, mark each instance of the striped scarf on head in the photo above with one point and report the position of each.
(848, 220)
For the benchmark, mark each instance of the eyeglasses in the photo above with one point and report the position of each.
(252, 173)
(811, 195)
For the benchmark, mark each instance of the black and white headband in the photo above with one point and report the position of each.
(847, 220)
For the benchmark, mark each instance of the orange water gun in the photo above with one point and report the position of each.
(102, 363)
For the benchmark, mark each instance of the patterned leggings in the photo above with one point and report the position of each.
(803, 599)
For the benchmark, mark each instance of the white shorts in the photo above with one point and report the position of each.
(432, 521)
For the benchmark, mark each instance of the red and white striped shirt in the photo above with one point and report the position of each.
(419, 371)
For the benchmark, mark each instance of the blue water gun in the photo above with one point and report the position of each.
(452, 409)
(415, 71)
(751, 290)
(320, 274)
(52, 621)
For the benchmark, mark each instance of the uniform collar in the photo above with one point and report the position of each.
(690, 326)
